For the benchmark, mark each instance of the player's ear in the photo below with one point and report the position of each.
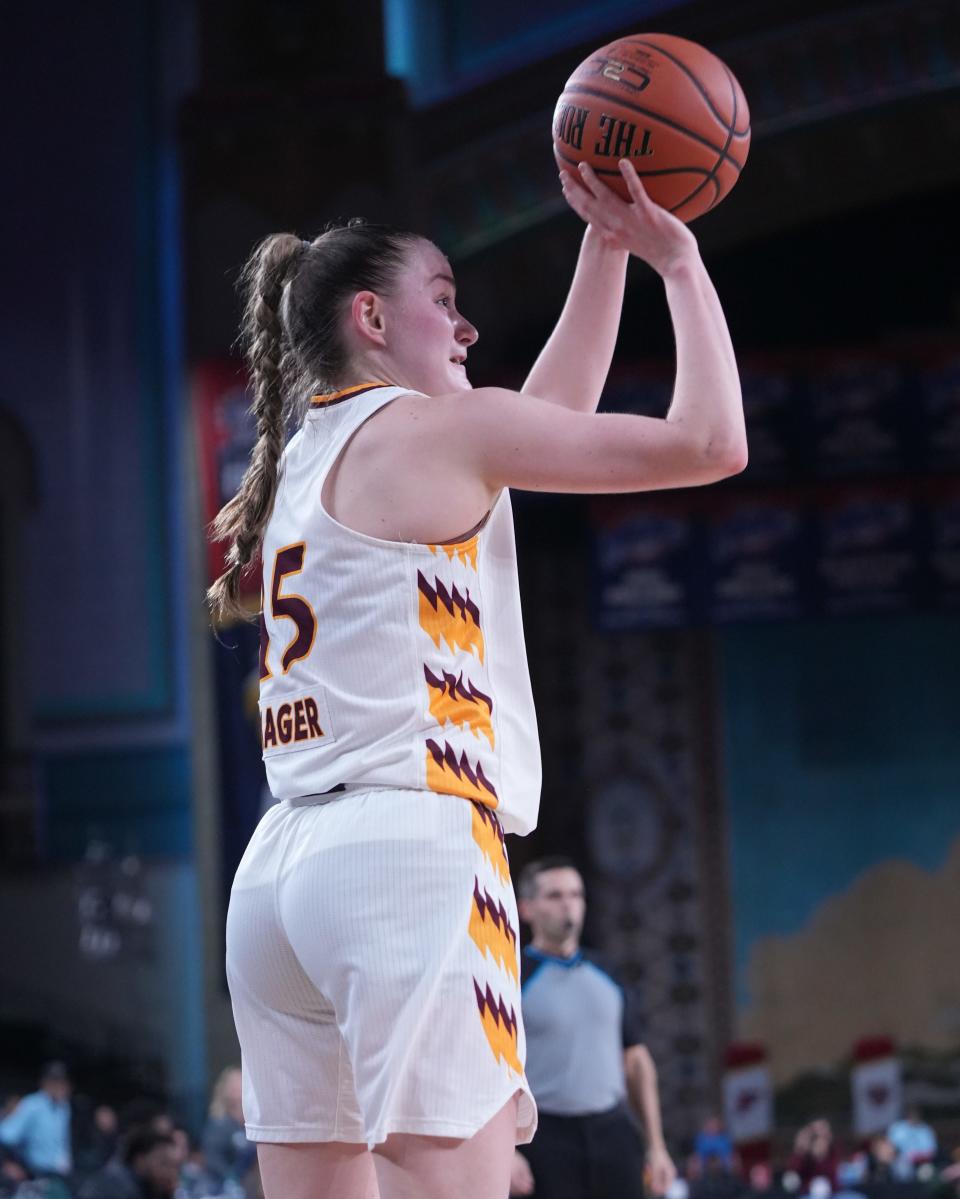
(367, 315)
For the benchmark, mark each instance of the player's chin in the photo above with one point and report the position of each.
(459, 380)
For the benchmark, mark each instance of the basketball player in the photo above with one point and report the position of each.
(372, 930)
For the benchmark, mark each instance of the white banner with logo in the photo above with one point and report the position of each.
(748, 1103)
(877, 1095)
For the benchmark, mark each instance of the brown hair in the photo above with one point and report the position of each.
(529, 880)
(295, 294)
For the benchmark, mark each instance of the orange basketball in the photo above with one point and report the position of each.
(670, 106)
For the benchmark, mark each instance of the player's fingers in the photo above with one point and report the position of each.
(638, 192)
(579, 199)
(591, 215)
(594, 211)
(594, 184)
(604, 205)
(572, 185)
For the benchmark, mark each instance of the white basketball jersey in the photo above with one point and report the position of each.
(386, 663)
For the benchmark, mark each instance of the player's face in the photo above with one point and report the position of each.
(428, 339)
(555, 913)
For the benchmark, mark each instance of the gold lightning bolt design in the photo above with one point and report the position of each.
(489, 836)
(459, 702)
(449, 774)
(500, 1026)
(491, 930)
(448, 615)
(466, 551)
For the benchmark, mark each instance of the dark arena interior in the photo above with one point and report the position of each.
(747, 694)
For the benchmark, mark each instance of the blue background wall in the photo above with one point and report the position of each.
(842, 756)
(99, 576)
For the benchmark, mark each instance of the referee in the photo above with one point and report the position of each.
(589, 1071)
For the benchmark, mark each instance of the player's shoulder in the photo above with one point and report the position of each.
(424, 422)
(469, 400)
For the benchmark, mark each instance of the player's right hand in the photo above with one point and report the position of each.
(641, 226)
(521, 1176)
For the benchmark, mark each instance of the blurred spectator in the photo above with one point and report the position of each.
(881, 1157)
(914, 1142)
(94, 1137)
(146, 1113)
(12, 1173)
(227, 1152)
(853, 1171)
(115, 1179)
(815, 1155)
(38, 1128)
(950, 1175)
(713, 1146)
(761, 1178)
(149, 1169)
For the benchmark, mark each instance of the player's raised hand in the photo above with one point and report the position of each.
(641, 226)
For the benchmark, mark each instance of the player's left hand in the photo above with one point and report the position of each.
(640, 226)
(661, 1171)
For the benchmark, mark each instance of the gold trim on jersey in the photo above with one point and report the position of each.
(348, 393)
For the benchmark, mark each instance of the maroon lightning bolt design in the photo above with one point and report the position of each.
(500, 1026)
(460, 703)
(449, 615)
(452, 775)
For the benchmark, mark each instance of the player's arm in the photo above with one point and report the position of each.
(508, 440)
(654, 235)
(572, 367)
(641, 1075)
(480, 441)
(702, 438)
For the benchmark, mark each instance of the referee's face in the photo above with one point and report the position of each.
(555, 912)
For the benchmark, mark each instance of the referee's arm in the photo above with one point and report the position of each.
(641, 1075)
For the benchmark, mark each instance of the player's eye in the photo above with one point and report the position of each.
(445, 301)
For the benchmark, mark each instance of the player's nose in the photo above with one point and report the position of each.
(466, 333)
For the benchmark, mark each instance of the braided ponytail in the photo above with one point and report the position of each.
(296, 294)
(242, 520)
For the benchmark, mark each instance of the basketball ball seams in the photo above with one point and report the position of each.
(716, 188)
(637, 41)
(572, 91)
(712, 177)
(733, 84)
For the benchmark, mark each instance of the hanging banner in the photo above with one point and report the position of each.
(758, 555)
(224, 436)
(747, 1095)
(939, 412)
(941, 508)
(646, 556)
(860, 416)
(876, 1084)
(869, 550)
(776, 419)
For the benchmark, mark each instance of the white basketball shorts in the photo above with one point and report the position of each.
(373, 969)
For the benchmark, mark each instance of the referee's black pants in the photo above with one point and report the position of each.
(587, 1157)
